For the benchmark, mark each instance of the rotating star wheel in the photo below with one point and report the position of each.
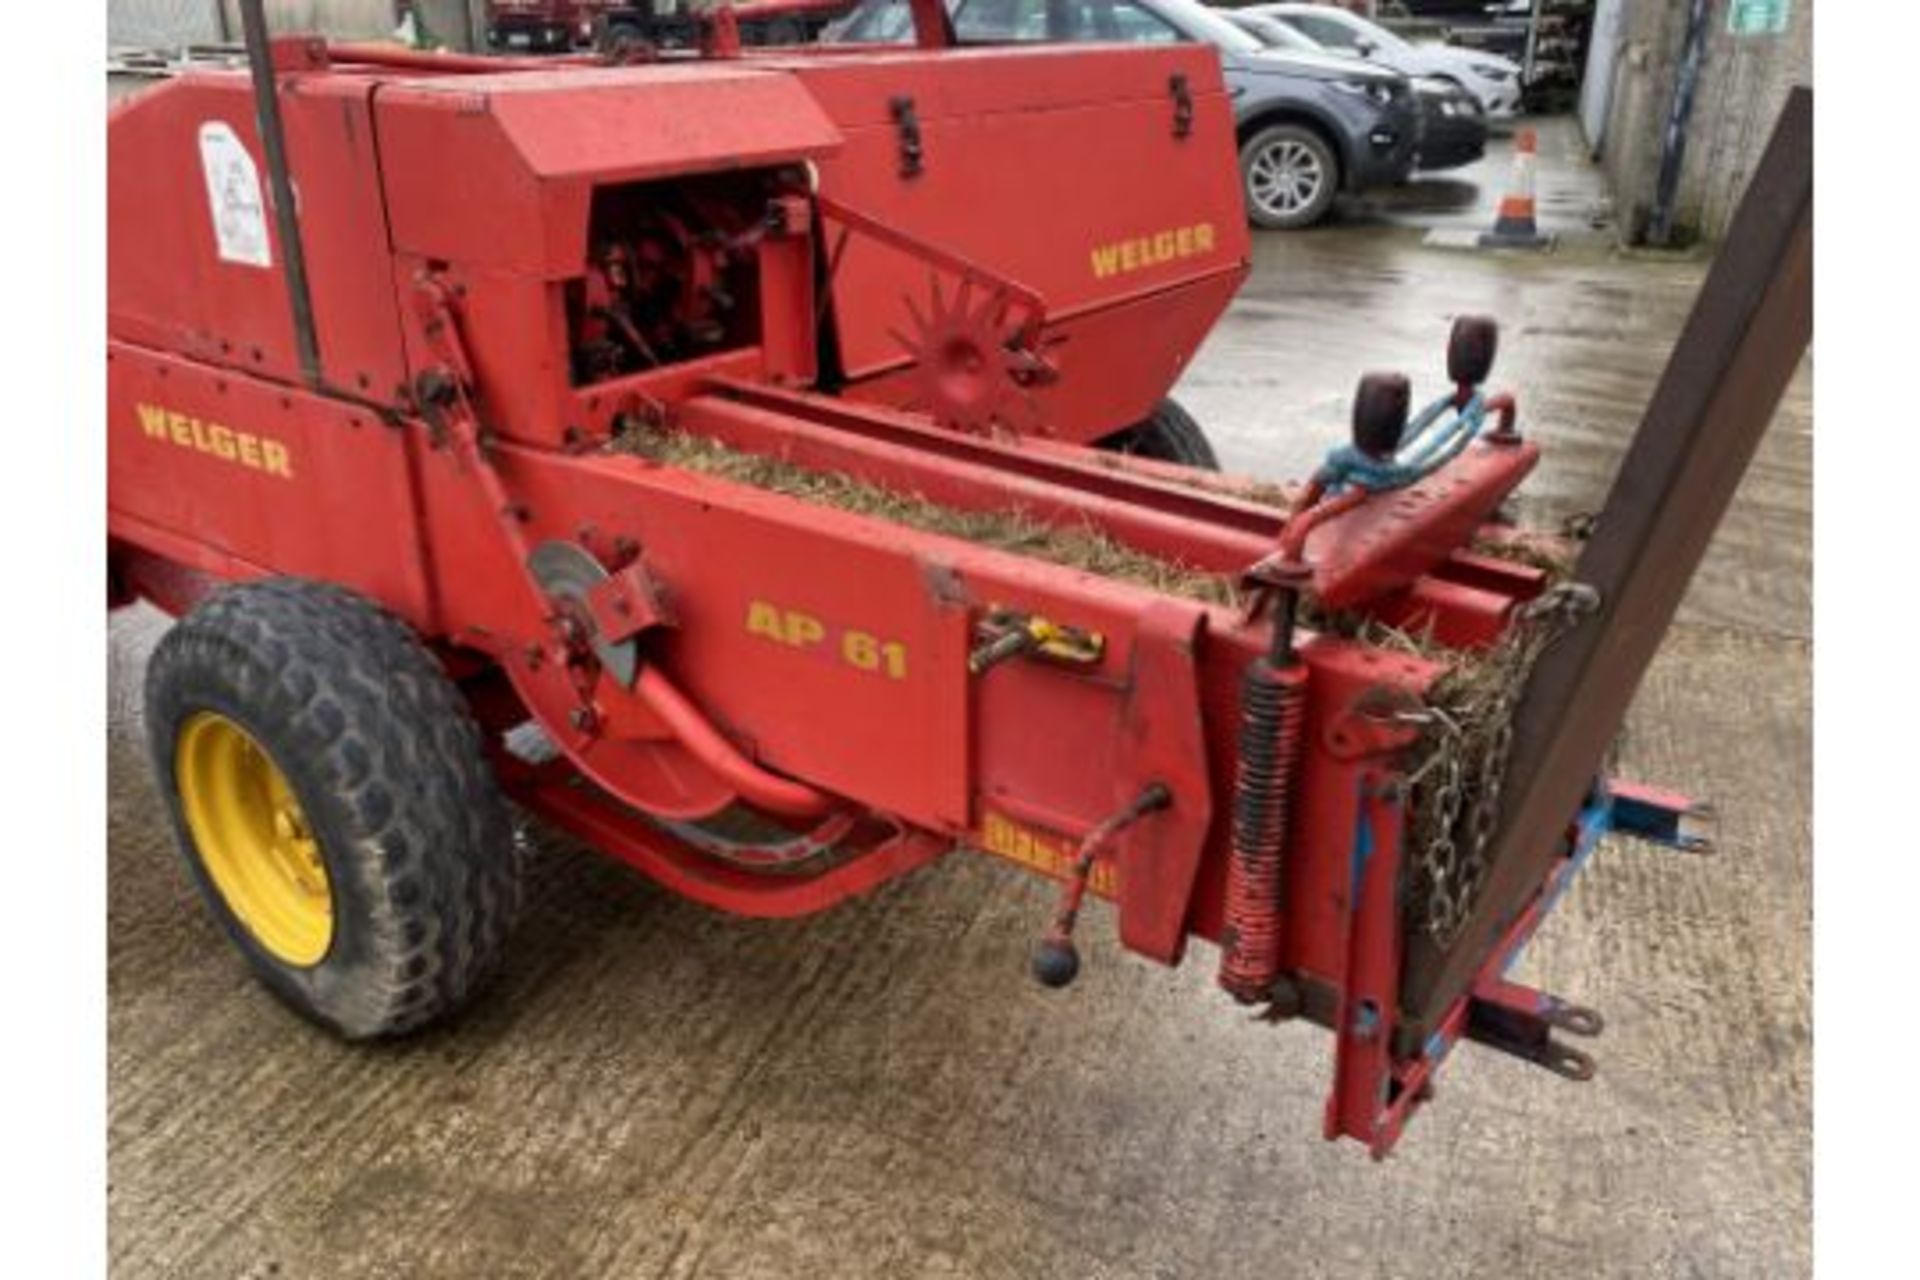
(973, 371)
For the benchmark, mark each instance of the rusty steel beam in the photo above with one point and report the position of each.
(1748, 329)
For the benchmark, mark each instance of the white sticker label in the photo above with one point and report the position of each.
(233, 192)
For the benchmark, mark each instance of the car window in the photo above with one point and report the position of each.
(997, 21)
(1330, 32)
(1132, 24)
(1279, 35)
(874, 22)
(1204, 24)
(1017, 21)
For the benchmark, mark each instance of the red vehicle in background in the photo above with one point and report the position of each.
(671, 24)
(540, 25)
(556, 26)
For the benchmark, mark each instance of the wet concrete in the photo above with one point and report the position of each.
(655, 1090)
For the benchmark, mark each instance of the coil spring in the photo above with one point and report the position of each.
(1272, 709)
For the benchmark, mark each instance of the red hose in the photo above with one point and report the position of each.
(1293, 538)
(696, 733)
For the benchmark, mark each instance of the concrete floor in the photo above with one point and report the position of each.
(655, 1090)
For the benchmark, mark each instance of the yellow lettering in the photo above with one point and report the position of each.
(259, 453)
(803, 629)
(275, 459)
(764, 620)
(1169, 245)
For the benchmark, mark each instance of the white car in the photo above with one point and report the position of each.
(1494, 80)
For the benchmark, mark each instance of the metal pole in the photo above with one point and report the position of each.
(266, 101)
(1533, 46)
(1740, 347)
(1673, 143)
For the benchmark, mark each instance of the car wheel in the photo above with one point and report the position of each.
(1290, 176)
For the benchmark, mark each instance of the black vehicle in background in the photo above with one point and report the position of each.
(1452, 129)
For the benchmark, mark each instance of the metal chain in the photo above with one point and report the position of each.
(1454, 863)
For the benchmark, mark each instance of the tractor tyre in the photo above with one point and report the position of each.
(1168, 434)
(329, 794)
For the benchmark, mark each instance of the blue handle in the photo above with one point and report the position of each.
(1428, 444)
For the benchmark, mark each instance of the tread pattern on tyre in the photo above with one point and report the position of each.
(350, 701)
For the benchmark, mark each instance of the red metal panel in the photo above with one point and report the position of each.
(167, 286)
(514, 332)
(804, 630)
(1393, 538)
(343, 227)
(1109, 204)
(275, 477)
(499, 169)
(1164, 742)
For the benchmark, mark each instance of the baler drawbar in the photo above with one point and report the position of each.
(658, 447)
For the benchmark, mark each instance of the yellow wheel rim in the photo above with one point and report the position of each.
(253, 839)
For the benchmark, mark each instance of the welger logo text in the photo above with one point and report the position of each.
(1138, 254)
(242, 448)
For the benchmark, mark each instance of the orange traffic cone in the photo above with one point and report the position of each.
(1515, 227)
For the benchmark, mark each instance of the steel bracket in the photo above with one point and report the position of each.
(628, 603)
(1520, 1021)
(906, 120)
(1661, 817)
(1182, 95)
